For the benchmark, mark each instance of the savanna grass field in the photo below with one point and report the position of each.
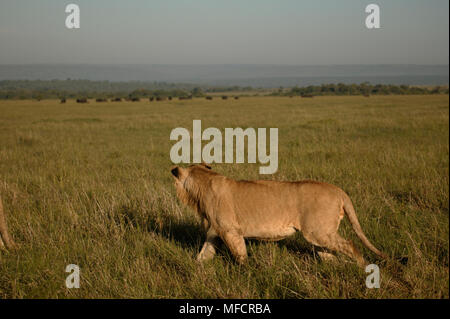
(90, 184)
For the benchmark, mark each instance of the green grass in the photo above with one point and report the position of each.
(90, 185)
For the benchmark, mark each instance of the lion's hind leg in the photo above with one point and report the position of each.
(335, 242)
(346, 247)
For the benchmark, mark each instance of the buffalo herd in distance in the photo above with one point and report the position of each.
(163, 98)
(137, 99)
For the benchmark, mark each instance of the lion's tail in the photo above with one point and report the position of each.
(4, 230)
(351, 214)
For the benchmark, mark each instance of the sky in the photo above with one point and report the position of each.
(307, 32)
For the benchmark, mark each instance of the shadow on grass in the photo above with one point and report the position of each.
(186, 233)
(299, 246)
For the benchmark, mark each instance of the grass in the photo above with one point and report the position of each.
(90, 185)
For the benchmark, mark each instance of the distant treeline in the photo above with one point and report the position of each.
(360, 89)
(37, 89)
(59, 89)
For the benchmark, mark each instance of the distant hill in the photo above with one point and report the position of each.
(265, 76)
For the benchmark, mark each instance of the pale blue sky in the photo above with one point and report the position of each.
(307, 32)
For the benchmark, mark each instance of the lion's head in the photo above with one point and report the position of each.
(192, 183)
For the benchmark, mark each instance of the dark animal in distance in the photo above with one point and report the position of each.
(63, 100)
(82, 100)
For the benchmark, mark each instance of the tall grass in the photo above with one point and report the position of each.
(90, 185)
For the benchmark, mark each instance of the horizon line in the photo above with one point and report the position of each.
(228, 64)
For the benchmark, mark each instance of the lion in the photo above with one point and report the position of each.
(267, 210)
(5, 239)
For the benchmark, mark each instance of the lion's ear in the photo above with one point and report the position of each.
(206, 165)
(175, 172)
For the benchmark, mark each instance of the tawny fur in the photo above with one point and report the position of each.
(5, 239)
(268, 210)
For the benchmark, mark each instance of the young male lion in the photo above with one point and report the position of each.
(268, 210)
(5, 239)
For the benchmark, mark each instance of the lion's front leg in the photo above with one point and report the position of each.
(236, 244)
(208, 250)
